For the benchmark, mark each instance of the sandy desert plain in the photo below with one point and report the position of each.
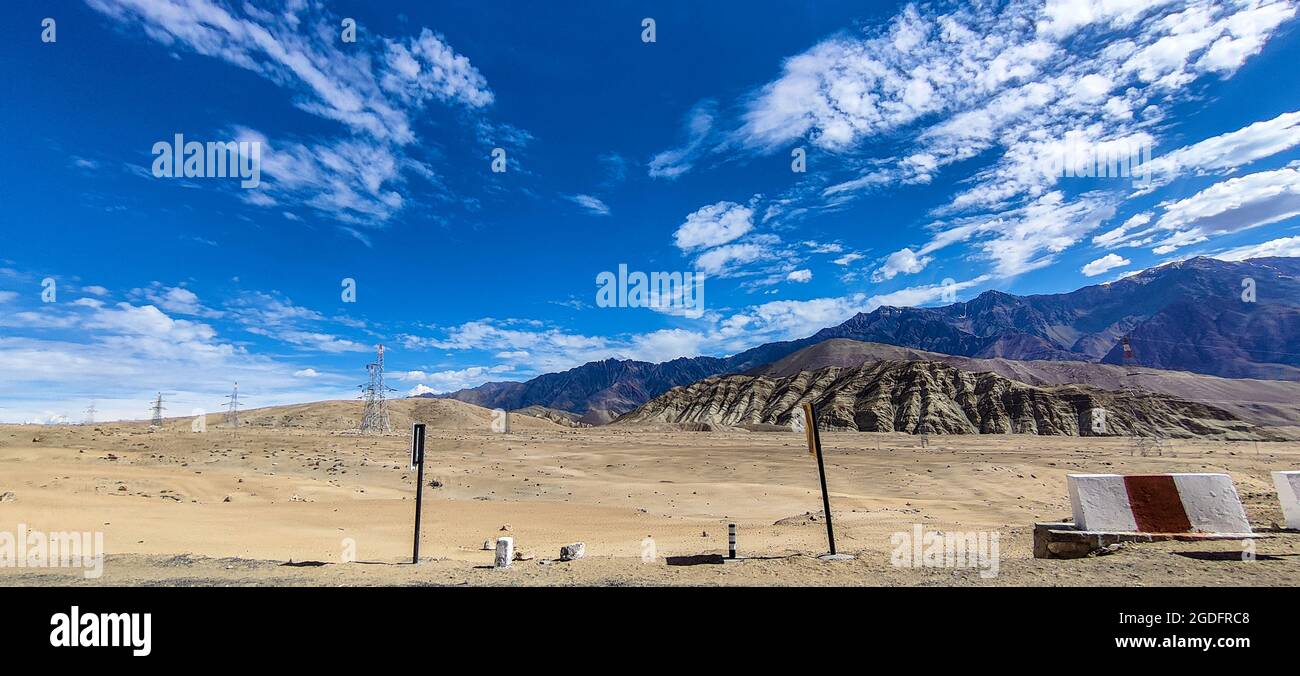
(280, 500)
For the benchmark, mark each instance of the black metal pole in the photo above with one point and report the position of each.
(417, 454)
(821, 471)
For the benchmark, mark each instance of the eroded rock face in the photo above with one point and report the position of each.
(934, 398)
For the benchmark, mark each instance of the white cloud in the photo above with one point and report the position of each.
(306, 373)
(1286, 247)
(666, 344)
(123, 354)
(312, 340)
(1061, 18)
(440, 382)
(1117, 235)
(426, 67)
(1229, 150)
(800, 276)
(273, 316)
(903, 261)
(1029, 237)
(1105, 264)
(176, 300)
(590, 203)
(6, 296)
(1230, 206)
(522, 343)
(823, 248)
(1013, 84)
(848, 258)
(376, 88)
(723, 260)
(714, 224)
(673, 163)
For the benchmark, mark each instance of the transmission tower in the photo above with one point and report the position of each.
(232, 408)
(90, 413)
(157, 412)
(374, 420)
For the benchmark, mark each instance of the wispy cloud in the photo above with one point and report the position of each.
(590, 203)
(375, 89)
(1014, 84)
(1282, 246)
(121, 354)
(673, 163)
(1226, 207)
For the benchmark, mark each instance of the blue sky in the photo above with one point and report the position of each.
(925, 130)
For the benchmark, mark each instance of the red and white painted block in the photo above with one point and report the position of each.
(1288, 491)
(1156, 503)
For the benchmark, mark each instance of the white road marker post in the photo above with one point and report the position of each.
(505, 553)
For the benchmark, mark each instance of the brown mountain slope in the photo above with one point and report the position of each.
(932, 397)
(1263, 402)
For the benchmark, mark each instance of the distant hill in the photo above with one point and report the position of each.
(565, 418)
(599, 389)
(934, 398)
(1263, 402)
(344, 415)
(1187, 316)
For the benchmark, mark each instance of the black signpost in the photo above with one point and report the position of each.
(815, 447)
(417, 463)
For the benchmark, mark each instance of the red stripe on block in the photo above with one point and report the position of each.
(1157, 508)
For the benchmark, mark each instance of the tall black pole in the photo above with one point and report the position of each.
(417, 459)
(815, 440)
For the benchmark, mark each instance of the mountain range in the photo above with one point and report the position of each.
(1234, 319)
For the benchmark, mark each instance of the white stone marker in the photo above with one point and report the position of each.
(1288, 492)
(505, 552)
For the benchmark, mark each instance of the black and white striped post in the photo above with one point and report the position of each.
(731, 540)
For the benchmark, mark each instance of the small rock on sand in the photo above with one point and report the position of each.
(8, 496)
(573, 551)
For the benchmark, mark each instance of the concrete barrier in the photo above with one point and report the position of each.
(1288, 492)
(1156, 503)
(1112, 509)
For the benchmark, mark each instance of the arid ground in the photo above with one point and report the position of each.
(226, 508)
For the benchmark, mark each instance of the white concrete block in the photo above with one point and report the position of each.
(1100, 502)
(1288, 492)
